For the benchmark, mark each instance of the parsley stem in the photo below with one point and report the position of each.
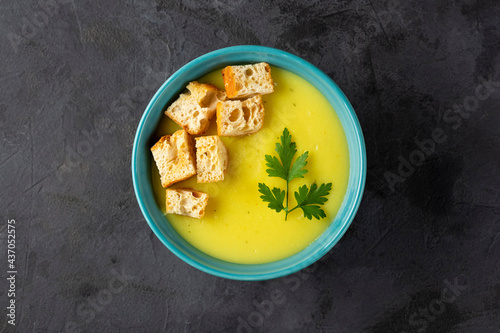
(286, 208)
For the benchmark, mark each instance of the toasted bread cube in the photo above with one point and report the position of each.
(246, 80)
(193, 110)
(174, 157)
(186, 202)
(240, 117)
(211, 159)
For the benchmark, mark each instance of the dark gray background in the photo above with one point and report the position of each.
(75, 78)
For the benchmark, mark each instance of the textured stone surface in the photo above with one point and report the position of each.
(75, 77)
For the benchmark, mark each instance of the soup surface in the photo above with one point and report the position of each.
(238, 226)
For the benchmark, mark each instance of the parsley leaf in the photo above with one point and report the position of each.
(309, 200)
(274, 197)
(283, 168)
(297, 170)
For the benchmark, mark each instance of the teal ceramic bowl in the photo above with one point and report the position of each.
(141, 163)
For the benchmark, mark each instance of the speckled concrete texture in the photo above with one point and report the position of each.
(423, 253)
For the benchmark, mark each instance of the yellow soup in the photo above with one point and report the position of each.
(238, 226)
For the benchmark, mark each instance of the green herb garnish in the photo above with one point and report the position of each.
(308, 199)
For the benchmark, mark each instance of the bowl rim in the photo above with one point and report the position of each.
(359, 181)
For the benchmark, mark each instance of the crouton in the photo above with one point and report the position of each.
(186, 202)
(194, 109)
(174, 157)
(240, 117)
(246, 80)
(211, 159)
